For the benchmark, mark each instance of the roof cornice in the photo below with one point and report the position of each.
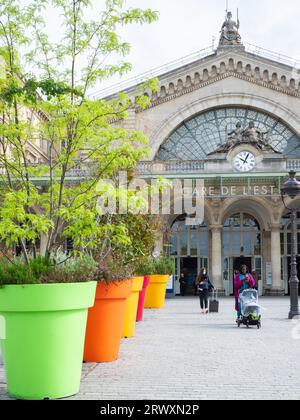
(217, 78)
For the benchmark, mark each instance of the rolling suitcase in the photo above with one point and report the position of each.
(213, 302)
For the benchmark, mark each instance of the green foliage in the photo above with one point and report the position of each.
(145, 267)
(155, 265)
(62, 269)
(114, 267)
(163, 265)
(18, 272)
(78, 133)
(71, 270)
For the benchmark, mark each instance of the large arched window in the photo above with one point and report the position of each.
(202, 135)
(241, 236)
(188, 241)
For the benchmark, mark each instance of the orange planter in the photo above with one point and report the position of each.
(105, 322)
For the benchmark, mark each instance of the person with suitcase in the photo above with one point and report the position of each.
(204, 287)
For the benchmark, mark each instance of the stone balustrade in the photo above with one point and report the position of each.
(170, 167)
(293, 164)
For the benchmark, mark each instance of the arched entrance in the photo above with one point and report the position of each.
(242, 244)
(189, 245)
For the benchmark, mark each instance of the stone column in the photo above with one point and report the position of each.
(277, 282)
(216, 257)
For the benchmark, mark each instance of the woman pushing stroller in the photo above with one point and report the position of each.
(242, 280)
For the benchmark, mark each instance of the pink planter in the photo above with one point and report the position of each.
(140, 310)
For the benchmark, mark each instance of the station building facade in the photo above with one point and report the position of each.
(230, 117)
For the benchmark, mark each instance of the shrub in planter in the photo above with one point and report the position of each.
(45, 311)
(45, 314)
(162, 268)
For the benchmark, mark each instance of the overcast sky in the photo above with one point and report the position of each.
(186, 26)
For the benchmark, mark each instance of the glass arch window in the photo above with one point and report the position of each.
(188, 241)
(241, 236)
(203, 134)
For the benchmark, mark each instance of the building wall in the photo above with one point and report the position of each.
(230, 77)
(251, 82)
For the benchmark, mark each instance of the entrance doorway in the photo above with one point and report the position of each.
(189, 267)
(238, 262)
(242, 245)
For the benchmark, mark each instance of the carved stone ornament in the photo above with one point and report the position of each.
(250, 135)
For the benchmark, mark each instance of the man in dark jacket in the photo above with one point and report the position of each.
(183, 284)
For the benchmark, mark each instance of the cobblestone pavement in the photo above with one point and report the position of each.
(179, 354)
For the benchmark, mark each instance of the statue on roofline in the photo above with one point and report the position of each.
(230, 32)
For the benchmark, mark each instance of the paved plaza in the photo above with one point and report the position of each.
(179, 354)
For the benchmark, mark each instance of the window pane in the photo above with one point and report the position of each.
(236, 244)
(282, 243)
(204, 244)
(183, 243)
(257, 244)
(247, 243)
(193, 242)
(174, 245)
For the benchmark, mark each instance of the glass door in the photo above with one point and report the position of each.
(177, 275)
(258, 267)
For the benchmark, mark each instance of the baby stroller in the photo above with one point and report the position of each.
(251, 314)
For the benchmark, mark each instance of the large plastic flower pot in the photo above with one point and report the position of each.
(106, 321)
(141, 304)
(131, 307)
(156, 291)
(43, 338)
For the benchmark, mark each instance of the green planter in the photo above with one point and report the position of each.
(44, 337)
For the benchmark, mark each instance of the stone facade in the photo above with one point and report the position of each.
(229, 77)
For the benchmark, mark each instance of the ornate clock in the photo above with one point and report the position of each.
(244, 161)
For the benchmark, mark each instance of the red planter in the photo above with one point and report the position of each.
(140, 310)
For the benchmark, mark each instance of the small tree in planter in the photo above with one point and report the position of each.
(106, 318)
(143, 231)
(47, 116)
(44, 306)
(127, 240)
(162, 267)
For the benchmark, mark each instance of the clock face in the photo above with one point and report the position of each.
(244, 162)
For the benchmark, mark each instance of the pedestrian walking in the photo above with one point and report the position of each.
(242, 280)
(183, 284)
(255, 278)
(204, 287)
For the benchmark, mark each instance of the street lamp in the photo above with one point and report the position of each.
(292, 189)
